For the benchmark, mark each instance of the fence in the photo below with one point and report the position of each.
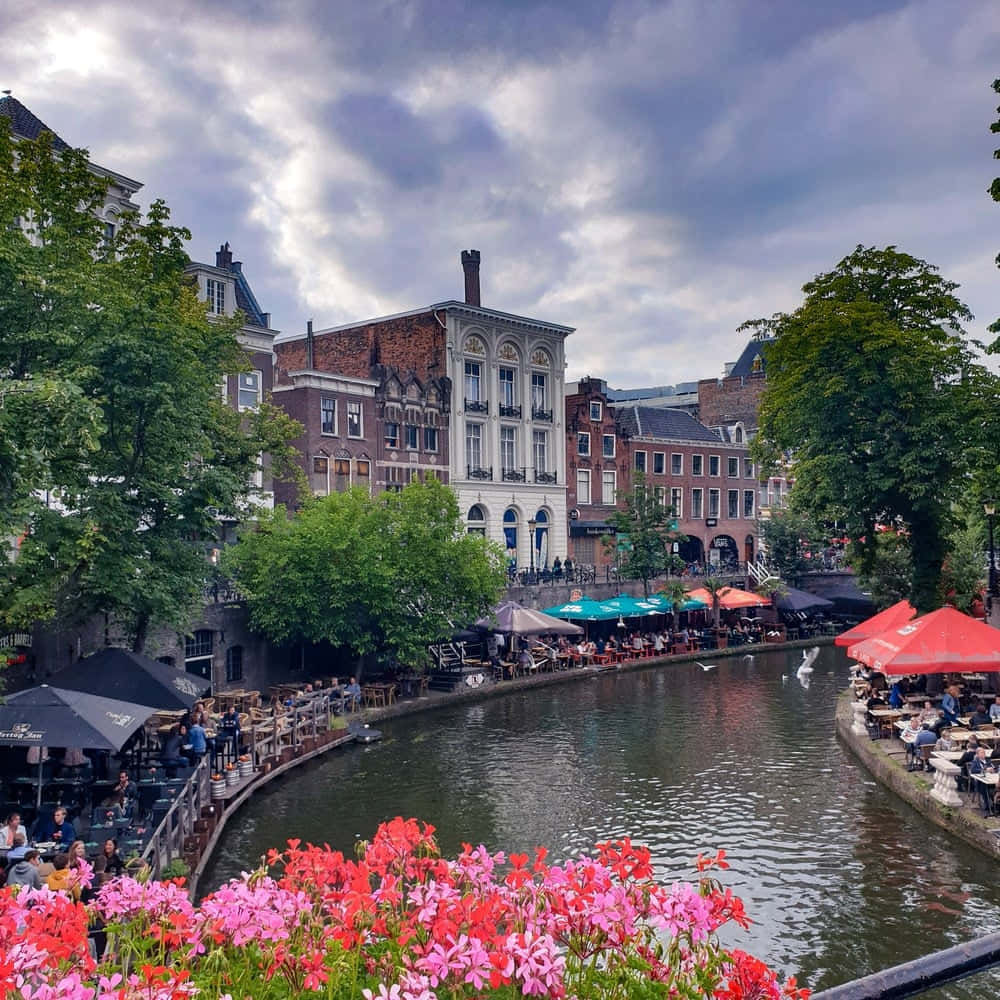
(168, 840)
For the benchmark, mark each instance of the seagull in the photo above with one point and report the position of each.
(706, 666)
(806, 666)
(748, 657)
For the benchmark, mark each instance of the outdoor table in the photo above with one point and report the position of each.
(950, 755)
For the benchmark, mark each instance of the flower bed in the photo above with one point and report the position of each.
(398, 923)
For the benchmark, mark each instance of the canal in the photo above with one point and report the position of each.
(841, 877)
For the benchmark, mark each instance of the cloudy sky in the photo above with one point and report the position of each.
(651, 173)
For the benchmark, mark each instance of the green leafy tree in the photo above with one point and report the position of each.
(650, 528)
(994, 190)
(388, 574)
(118, 502)
(965, 571)
(717, 589)
(867, 388)
(793, 541)
(887, 571)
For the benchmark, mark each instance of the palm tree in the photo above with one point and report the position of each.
(675, 593)
(717, 589)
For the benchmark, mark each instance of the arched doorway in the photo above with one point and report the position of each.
(541, 539)
(748, 549)
(724, 554)
(691, 551)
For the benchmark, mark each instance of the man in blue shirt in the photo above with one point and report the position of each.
(55, 828)
(950, 709)
(353, 695)
(198, 742)
(925, 738)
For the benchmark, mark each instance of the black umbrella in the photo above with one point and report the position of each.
(50, 716)
(799, 600)
(119, 673)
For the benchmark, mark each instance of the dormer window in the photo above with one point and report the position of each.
(216, 297)
(757, 365)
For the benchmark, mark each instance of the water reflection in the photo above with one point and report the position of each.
(840, 876)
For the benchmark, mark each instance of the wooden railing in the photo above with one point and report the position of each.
(167, 842)
(288, 728)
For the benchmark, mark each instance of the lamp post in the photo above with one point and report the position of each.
(990, 507)
(531, 543)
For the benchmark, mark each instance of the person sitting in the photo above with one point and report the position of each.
(600, 646)
(980, 717)
(945, 742)
(352, 694)
(925, 738)
(62, 879)
(55, 828)
(126, 789)
(11, 828)
(929, 714)
(171, 755)
(982, 765)
(109, 862)
(25, 871)
(637, 643)
(909, 737)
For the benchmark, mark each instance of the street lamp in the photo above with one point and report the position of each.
(990, 507)
(531, 543)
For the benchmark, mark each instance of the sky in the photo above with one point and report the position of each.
(650, 173)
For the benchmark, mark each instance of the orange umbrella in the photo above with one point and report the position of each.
(899, 614)
(730, 599)
(944, 640)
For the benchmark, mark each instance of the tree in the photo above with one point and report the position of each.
(792, 541)
(867, 388)
(964, 569)
(118, 520)
(887, 573)
(388, 574)
(717, 589)
(994, 190)
(650, 527)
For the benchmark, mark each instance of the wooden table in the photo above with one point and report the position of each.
(378, 695)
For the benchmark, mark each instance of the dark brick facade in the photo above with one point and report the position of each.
(731, 400)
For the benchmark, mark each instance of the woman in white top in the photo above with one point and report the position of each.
(12, 826)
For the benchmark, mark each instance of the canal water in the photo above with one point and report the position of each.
(840, 876)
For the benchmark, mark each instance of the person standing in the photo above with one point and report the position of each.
(198, 741)
(950, 708)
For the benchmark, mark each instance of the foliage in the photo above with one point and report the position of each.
(118, 452)
(676, 593)
(650, 527)
(994, 190)
(887, 573)
(386, 574)
(717, 589)
(866, 386)
(400, 923)
(794, 543)
(964, 572)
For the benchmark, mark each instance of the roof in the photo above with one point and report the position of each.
(26, 124)
(662, 424)
(652, 392)
(246, 301)
(753, 350)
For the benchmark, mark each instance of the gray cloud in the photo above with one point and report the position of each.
(652, 173)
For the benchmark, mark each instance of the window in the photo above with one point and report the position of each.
(583, 486)
(320, 465)
(713, 503)
(508, 452)
(748, 496)
(109, 235)
(677, 501)
(538, 394)
(430, 439)
(697, 465)
(394, 479)
(476, 520)
(748, 470)
(583, 443)
(733, 467)
(676, 464)
(738, 434)
(508, 395)
(249, 393)
(473, 375)
(640, 461)
(354, 420)
(733, 503)
(659, 463)
(595, 411)
(363, 467)
(391, 434)
(327, 415)
(540, 447)
(474, 445)
(609, 486)
(216, 297)
(660, 493)
(412, 433)
(608, 445)
(234, 664)
(713, 465)
(697, 503)
(199, 644)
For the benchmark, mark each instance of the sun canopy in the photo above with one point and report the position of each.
(585, 610)
(944, 640)
(730, 599)
(899, 614)
(518, 620)
(635, 607)
(800, 600)
(119, 673)
(666, 607)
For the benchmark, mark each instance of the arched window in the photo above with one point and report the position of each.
(510, 529)
(541, 540)
(738, 434)
(199, 644)
(476, 520)
(234, 663)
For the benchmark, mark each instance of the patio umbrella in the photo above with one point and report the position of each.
(730, 599)
(800, 600)
(662, 602)
(513, 617)
(635, 607)
(585, 609)
(119, 673)
(51, 716)
(944, 640)
(899, 614)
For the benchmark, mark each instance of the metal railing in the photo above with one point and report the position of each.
(478, 472)
(477, 406)
(539, 413)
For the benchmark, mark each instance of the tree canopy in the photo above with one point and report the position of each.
(994, 190)
(118, 452)
(388, 574)
(867, 390)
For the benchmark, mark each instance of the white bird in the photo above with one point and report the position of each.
(806, 666)
(748, 657)
(706, 666)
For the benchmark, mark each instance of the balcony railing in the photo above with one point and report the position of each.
(546, 477)
(510, 411)
(537, 413)
(477, 406)
(513, 475)
(477, 472)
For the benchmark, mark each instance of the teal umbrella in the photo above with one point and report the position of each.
(665, 607)
(634, 607)
(584, 610)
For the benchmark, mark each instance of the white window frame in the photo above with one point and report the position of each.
(714, 502)
(510, 383)
(748, 469)
(660, 456)
(540, 450)
(508, 449)
(605, 438)
(733, 504)
(539, 390)
(473, 384)
(732, 462)
(393, 441)
(715, 461)
(474, 443)
(596, 411)
(356, 406)
(580, 437)
(635, 461)
(748, 509)
(322, 412)
(677, 467)
(583, 479)
(660, 493)
(433, 437)
(407, 428)
(697, 465)
(697, 503)
(257, 389)
(608, 497)
(216, 290)
(677, 501)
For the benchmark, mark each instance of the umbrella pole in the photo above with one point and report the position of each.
(41, 765)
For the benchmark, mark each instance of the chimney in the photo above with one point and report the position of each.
(470, 264)
(309, 346)
(224, 257)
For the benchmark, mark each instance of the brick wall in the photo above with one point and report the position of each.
(728, 400)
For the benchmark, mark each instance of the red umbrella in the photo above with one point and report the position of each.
(944, 640)
(884, 621)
